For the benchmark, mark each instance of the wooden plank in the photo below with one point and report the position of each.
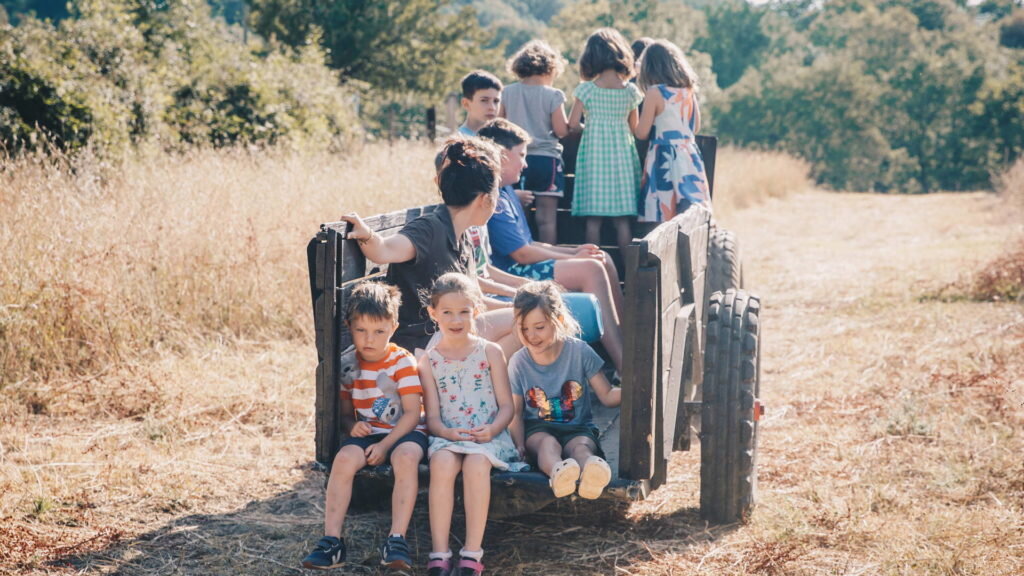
(708, 146)
(676, 416)
(327, 426)
(640, 378)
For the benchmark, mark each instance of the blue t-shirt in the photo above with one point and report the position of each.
(507, 228)
(559, 392)
(465, 131)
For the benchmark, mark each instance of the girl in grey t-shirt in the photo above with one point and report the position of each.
(553, 378)
(537, 107)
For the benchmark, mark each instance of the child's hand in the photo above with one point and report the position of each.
(457, 434)
(525, 197)
(482, 434)
(376, 454)
(361, 429)
(590, 251)
(522, 452)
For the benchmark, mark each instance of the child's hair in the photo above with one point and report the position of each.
(545, 296)
(455, 283)
(466, 168)
(374, 299)
(504, 133)
(606, 49)
(479, 80)
(664, 63)
(639, 45)
(536, 58)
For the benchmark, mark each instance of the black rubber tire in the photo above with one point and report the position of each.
(725, 269)
(732, 384)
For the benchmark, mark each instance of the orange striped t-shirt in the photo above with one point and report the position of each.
(377, 388)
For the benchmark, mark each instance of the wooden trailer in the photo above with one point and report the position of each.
(691, 361)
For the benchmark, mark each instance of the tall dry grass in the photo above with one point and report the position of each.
(744, 178)
(101, 263)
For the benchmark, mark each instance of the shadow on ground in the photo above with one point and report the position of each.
(271, 536)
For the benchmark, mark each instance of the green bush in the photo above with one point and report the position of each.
(123, 72)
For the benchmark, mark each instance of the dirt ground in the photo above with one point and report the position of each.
(893, 440)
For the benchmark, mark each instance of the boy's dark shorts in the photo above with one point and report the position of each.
(417, 438)
(544, 176)
(564, 432)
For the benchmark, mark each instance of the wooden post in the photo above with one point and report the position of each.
(451, 110)
(431, 123)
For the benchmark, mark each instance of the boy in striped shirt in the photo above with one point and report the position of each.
(382, 411)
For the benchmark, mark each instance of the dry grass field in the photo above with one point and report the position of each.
(156, 379)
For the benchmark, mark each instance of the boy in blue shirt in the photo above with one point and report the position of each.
(584, 268)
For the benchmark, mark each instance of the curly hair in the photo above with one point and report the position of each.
(536, 58)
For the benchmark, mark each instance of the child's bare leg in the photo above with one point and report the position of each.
(594, 230)
(497, 326)
(444, 467)
(613, 279)
(547, 219)
(546, 449)
(349, 460)
(579, 449)
(623, 231)
(476, 486)
(405, 460)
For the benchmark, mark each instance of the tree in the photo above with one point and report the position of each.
(734, 39)
(418, 46)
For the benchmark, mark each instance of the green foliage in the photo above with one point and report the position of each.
(122, 72)
(882, 95)
(420, 46)
(1011, 30)
(738, 41)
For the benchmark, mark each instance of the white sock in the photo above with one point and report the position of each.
(441, 555)
(396, 536)
(475, 554)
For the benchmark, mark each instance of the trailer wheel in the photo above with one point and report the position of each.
(730, 408)
(725, 269)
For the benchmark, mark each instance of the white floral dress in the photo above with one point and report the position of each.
(467, 400)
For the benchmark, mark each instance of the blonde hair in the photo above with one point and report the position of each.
(545, 296)
(455, 283)
(536, 58)
(664, 63)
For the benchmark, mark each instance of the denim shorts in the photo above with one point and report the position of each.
(563, 432)
(543, 270)
(416, 437)
(544, 176)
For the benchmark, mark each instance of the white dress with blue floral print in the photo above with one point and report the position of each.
(467, 400)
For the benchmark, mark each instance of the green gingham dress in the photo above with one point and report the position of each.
(607, 166)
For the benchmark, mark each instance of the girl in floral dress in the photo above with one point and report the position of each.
(469, 407)
(674, 176)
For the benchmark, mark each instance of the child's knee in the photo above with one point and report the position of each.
(349, 459)
(476, 464)
(406, 455)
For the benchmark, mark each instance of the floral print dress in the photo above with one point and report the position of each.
(467, 400)
(674, 176)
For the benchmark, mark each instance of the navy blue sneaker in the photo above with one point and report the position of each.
(329, 553)
(394, 554)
